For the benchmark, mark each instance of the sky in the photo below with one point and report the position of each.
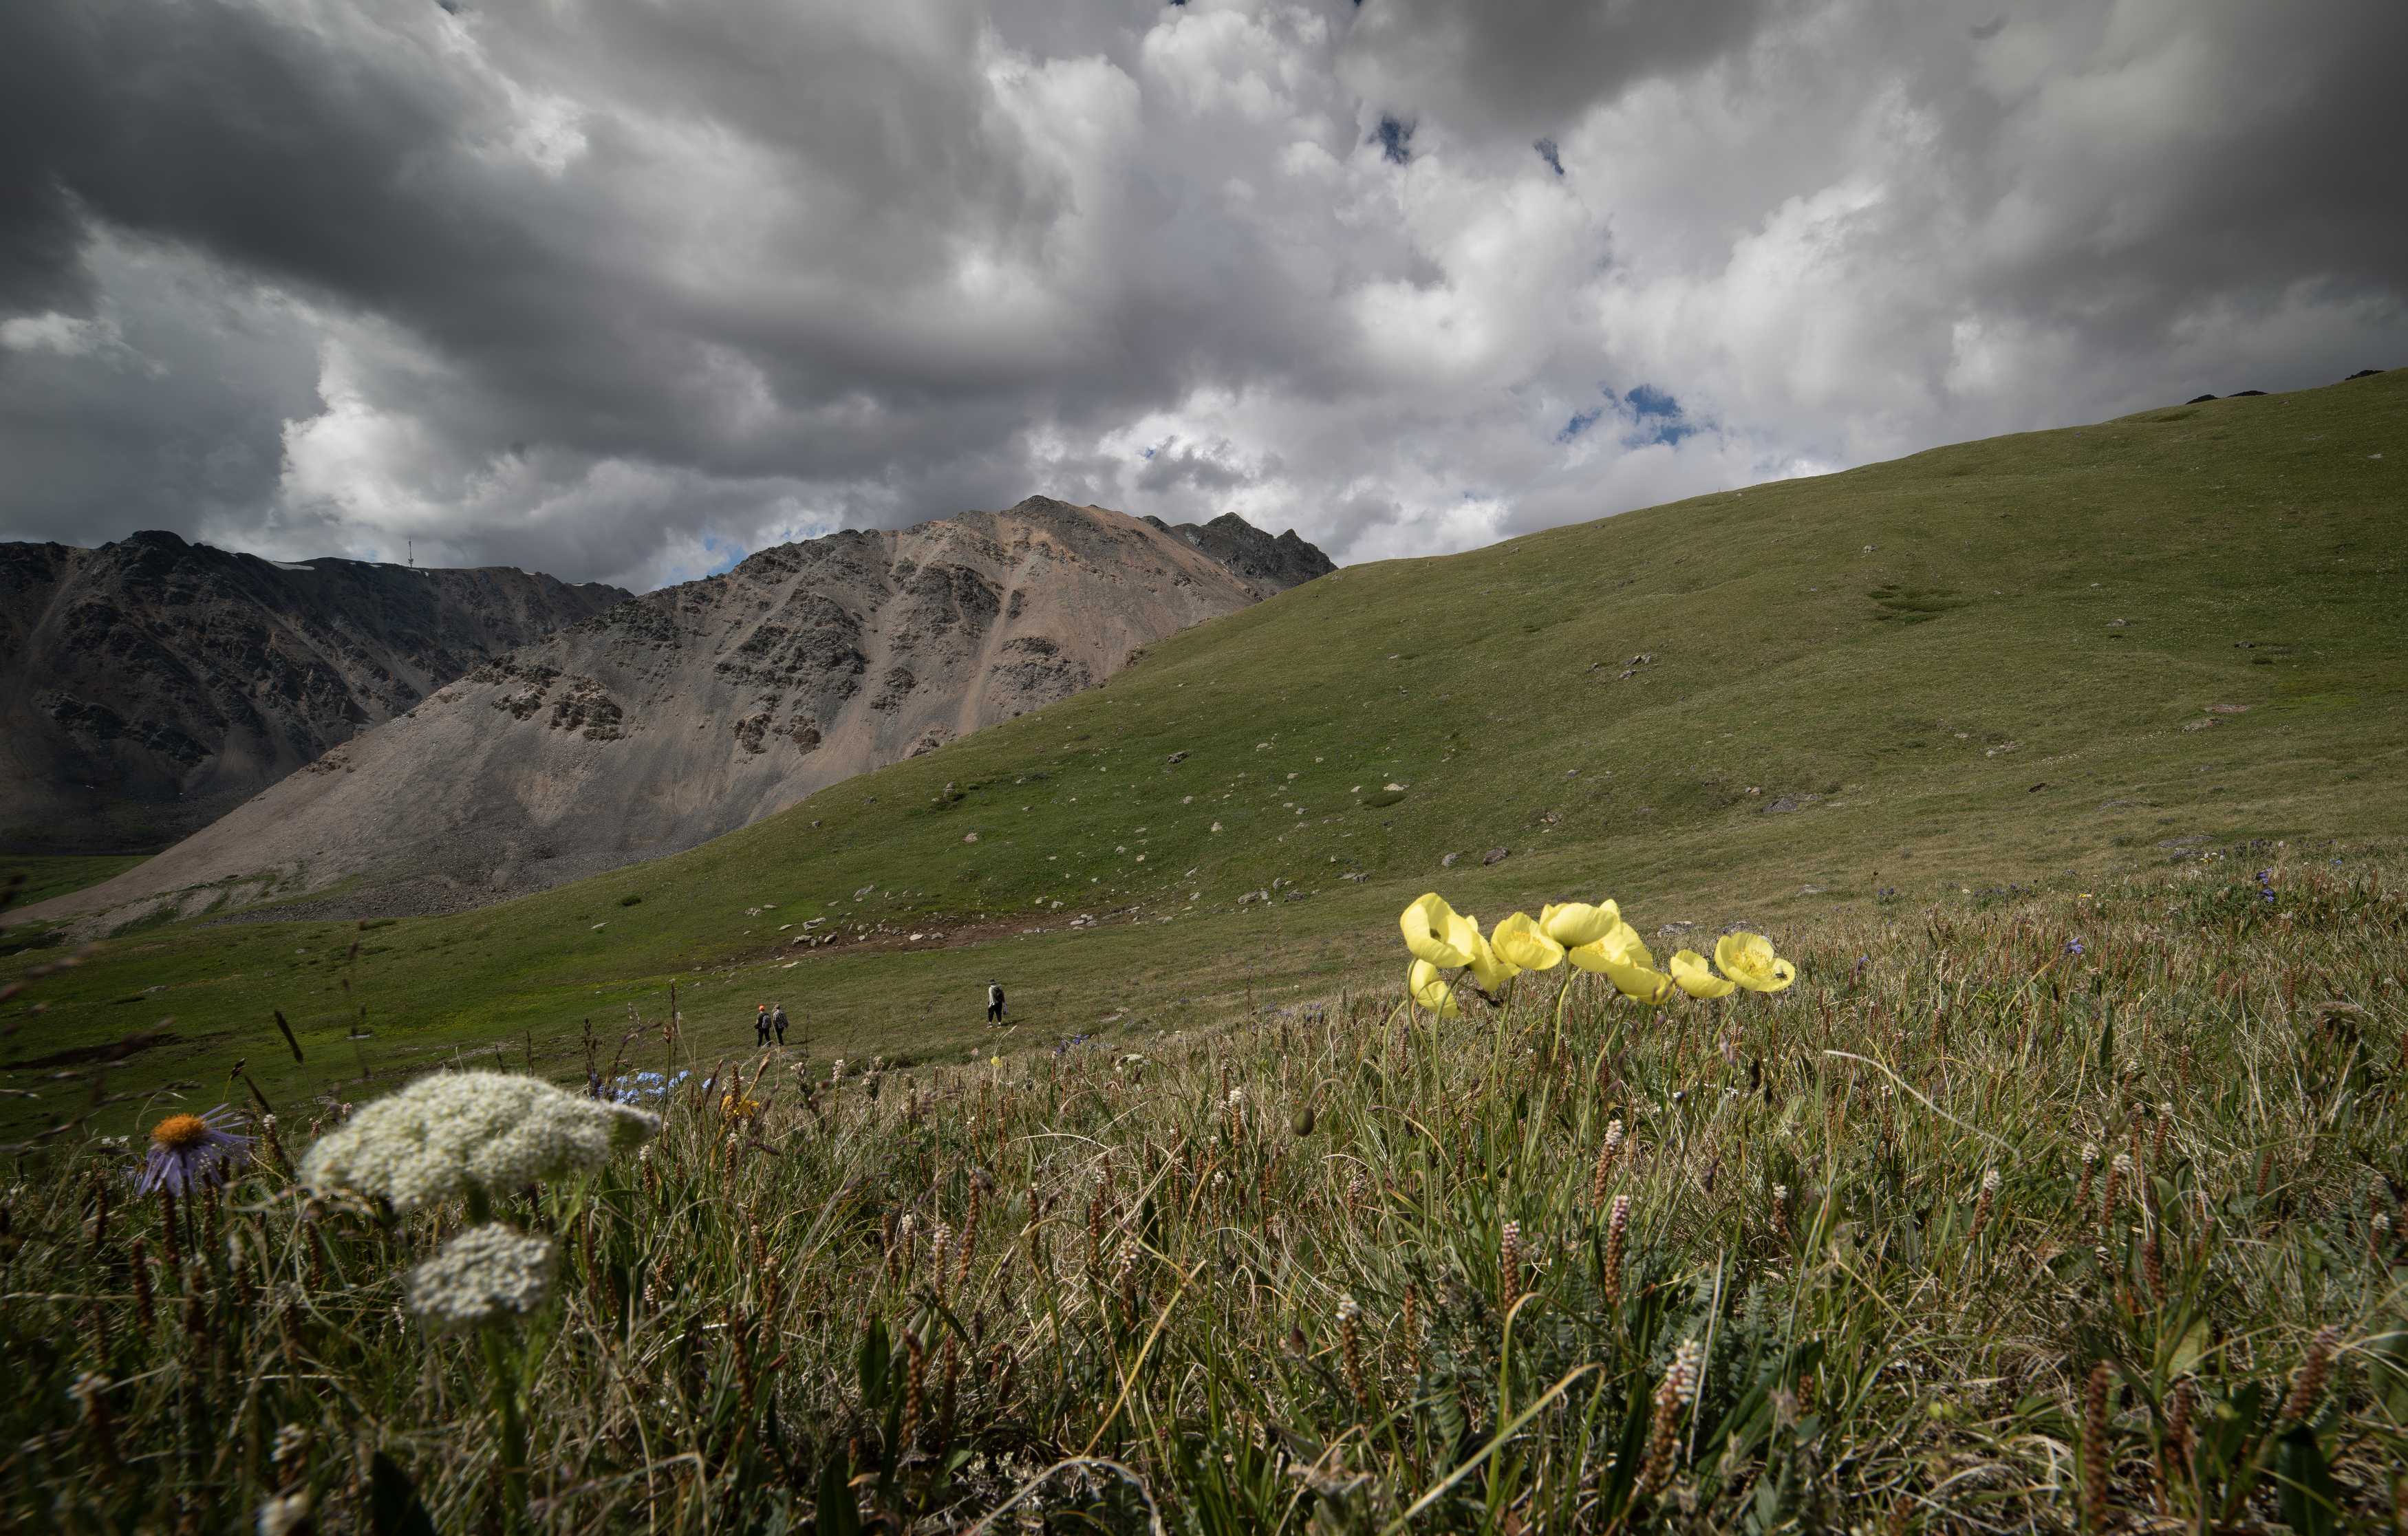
(625, 289)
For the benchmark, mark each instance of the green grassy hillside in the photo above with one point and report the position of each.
(2046, 657)
(63, 874)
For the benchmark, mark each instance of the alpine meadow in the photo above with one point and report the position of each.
(2038, 1167)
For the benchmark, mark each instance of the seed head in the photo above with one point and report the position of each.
(1688, 1362)
(2308, 1388)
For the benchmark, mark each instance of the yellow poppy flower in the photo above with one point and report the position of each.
(1577, 923)
(1518, 939)
(1690, 973)
(1492, 968)
(1426, 986)
(1430, 928)
(1747, 958)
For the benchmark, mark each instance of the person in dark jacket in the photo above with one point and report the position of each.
(994, 1001)
(761, 1025)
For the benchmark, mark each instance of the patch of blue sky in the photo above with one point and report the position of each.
(1657, 416)
(1394, 139)
(1647, 400)
(720, 556)
(1581, 421)
(724, 554)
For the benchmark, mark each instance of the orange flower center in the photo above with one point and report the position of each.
(179, 1131)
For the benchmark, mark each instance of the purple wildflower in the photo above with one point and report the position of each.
(191, 1152)
(2073, 946)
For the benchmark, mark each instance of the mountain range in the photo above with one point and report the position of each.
(671, 718)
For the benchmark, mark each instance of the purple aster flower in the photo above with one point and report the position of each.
(2073, 946)
(191, 1152)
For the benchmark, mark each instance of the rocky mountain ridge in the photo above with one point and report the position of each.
(692, 710)
(1274, 565)
(150, 686)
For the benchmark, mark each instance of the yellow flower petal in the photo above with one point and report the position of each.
(1426, 986)
(1643, 983)
(1463, 933)
(1690, 974)
(1625, 941)
(1590, 957)
(1577, 923)
(1518, 939)
(1427, 924)
(1747, 958)
(1492, 970)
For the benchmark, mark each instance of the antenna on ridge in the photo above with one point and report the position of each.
(411, 545)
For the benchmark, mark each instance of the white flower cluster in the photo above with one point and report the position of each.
(495, 1131)
(481, 1275)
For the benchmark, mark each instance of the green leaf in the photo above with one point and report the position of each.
(875, 1355)
(394, 1508)
(838, 1515)
(2195, 1342)
(2387, 1375)
(2107, 1043)
(2310, 1501)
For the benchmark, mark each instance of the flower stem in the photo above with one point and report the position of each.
(498, 1366)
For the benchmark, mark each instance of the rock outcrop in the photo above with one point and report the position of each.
(693, 710)
(150, 686)
(1272, 565)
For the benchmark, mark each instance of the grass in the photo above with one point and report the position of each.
(1339, 1268)
(63, 874)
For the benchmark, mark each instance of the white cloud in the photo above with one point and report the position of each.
(620, 291)
(65, 335)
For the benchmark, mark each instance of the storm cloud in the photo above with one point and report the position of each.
(624, 290)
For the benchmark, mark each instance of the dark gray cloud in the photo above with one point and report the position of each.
(623, 290)
(1525, 67)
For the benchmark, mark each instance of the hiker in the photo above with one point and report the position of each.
(778, 1021)
(994, 1000)
(761, 1025)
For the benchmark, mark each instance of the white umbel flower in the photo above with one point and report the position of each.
(495, 1131)
(481, 1276)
